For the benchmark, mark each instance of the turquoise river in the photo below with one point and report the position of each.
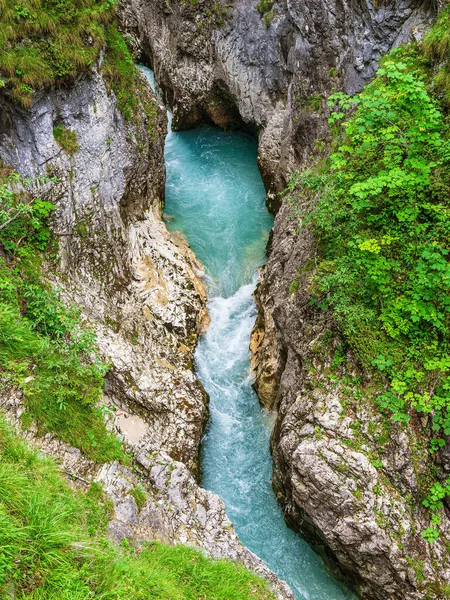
(215, 196)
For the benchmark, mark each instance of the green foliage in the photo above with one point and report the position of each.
(52, 544)
(266, 10)
(437, 47)
(22, 217)
(44, 351)
(43, 41)
(381, 215)
(66, 139)
(436, 494)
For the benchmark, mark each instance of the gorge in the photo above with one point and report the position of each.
(124, 343)
(215, 196)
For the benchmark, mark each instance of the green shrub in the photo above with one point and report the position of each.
(66, 139)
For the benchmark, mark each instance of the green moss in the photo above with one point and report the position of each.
(269, 17)
(66, 139)
(264, 6)
(437, 47)
(266, 10)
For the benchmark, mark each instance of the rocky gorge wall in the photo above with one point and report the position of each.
(139, 288)
(345, 482)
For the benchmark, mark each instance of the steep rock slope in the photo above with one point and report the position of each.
(273, 72)
(220, 62)
(140, 289)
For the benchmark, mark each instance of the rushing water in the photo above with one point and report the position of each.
(215, 195)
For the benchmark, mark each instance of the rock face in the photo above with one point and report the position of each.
(348, 484)
(140, 289)
(220, 62)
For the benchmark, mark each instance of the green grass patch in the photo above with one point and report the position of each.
(139, 495)
(66, 139)
(52, 544)
(44, 41)
(266, 10)
(44, 350)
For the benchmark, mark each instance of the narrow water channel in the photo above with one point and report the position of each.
(215, 195)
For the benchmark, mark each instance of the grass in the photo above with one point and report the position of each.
(122, 77)
(66, 139)
(45, 41)
(52, 544)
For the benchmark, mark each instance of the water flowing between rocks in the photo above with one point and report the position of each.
(215, 196)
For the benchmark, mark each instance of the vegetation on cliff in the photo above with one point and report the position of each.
(44, 41)
(50, 42)
(52, 544)
(380, 214)
(44, 350)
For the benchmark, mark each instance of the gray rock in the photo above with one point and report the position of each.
(139, 286)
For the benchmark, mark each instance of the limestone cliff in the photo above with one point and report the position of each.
(140, 289)
(271, 69)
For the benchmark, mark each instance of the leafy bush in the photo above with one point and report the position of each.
(44, 351)
(380, 212)
(52, 544)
